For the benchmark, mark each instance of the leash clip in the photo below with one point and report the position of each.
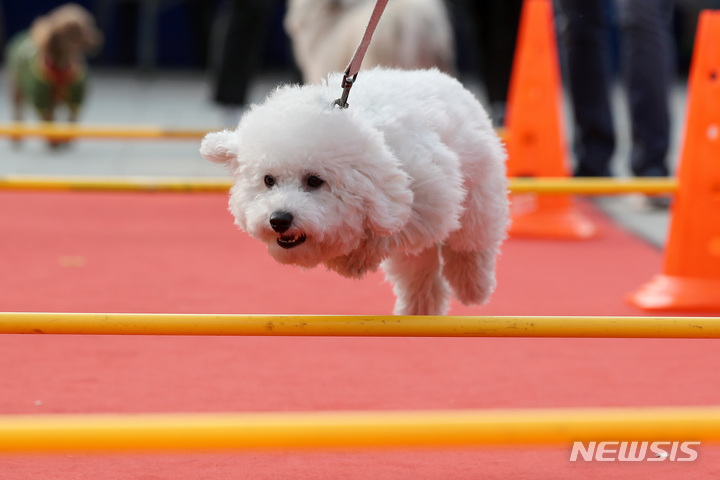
(354, 65)
(347, 83)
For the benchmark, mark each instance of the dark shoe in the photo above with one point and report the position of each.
(649, 203)
(584, 171)
(658, 203)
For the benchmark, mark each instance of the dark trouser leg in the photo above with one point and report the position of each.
(648, 65)
(584, 38)
(497, 28)
(241, 49)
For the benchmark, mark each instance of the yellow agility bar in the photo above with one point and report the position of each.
(58, 130)
(594, 186)
(358, 325)
(71, 131)
(384, 429)
(579, 186)
(110, 183)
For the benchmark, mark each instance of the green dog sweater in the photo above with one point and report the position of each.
(40, 81)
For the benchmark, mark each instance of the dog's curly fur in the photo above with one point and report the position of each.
(412, 34)
(411, 175)
(47, 62)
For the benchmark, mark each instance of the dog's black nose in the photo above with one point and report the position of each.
(281, 221)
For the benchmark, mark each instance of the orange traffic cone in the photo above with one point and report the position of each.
(536, 142)
(691, 274)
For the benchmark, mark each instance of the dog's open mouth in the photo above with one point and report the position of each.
(290, 240)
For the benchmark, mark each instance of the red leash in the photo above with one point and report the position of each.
(354, 66)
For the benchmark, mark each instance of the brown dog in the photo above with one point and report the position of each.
(47, 62)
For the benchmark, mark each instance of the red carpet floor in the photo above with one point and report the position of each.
(177, 253)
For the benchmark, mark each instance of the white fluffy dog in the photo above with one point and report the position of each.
(412, 34)
(412, 175)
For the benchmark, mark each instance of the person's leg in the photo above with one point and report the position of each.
(497, 25)
(241, 49)
(648, 63)
(584, 38)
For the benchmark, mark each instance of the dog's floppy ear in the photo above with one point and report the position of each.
(388, 196)
(219, 147)
(40, 31)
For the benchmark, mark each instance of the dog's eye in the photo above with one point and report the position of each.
(269, 181)
(314, 182)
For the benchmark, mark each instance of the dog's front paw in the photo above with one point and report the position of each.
(366, 258)
(59, 143)
(435, 300)
(352, 265)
